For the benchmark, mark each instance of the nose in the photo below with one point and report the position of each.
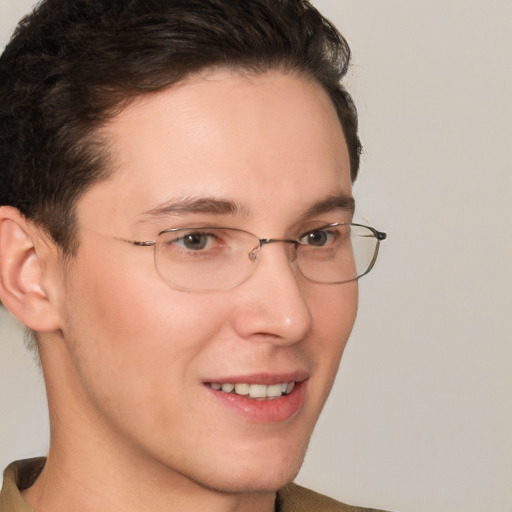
(273, 306)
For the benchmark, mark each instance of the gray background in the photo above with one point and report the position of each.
(421, 415)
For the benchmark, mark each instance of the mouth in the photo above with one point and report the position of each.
(262, 398)
(254, 391)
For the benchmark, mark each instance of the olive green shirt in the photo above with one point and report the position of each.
(292, 498)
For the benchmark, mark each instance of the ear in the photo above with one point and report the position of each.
(22, 283)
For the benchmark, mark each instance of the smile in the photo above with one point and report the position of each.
(256, 391)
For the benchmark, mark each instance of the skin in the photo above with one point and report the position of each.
(125, 355)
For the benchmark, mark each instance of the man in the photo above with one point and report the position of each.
(175, 230)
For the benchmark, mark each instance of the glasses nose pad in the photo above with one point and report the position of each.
(294, 261)
(293, 253)
(253, 255)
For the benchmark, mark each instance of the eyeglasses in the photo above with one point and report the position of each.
(216, 258)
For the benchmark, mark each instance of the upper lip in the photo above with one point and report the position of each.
(263, 378)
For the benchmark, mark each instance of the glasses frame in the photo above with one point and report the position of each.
(378, 235)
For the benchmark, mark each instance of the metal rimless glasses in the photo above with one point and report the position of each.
(217, 258)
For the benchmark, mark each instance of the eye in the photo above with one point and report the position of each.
(318, 238)
(194, 241)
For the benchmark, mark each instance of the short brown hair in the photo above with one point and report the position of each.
(73, 64)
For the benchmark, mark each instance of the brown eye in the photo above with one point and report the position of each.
(192, 242)
(317, 238)
(195, 241)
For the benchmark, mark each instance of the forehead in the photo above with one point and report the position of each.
(247, 139)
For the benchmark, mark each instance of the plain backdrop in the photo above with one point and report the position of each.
(420, 418)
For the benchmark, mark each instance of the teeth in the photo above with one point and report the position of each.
(260, 391)
(274, 390)
(257, 391)
(242, 389)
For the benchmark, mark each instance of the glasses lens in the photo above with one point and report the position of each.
(206, 258)
(337, 253)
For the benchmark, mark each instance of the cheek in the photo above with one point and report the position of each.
(334, 311)
(129, 321)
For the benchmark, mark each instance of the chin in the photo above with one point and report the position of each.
(251, 483)
(266, 472)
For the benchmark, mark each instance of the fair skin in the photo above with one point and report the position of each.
(127, 358)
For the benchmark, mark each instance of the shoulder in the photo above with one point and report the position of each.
(18, 476)
(294, 498)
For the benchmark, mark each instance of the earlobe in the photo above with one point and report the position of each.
(22, 288)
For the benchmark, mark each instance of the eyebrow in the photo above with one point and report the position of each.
(330, 203)
(192, 205)
(209, 205)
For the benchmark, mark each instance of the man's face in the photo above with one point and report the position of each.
(140, 353)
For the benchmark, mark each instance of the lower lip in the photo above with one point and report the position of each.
(265, 411)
